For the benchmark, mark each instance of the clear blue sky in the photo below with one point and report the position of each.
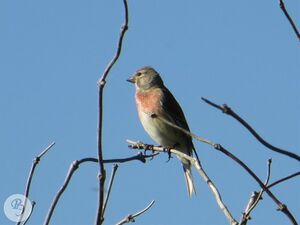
(243, 53)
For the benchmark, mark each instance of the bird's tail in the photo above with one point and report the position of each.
(189, 178)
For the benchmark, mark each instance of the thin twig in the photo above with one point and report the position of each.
(35, 162)
(227, 110)
(33, 203)
(255, 198)
(216, 193)
(206, 141)
(111, 181)
(139, 157)
(281, 207)
(196, 163)
(282, 6)
(131, 217)
(283, 179)
(101, 85)
(73, 167)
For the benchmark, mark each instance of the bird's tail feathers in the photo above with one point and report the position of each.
(189, 178)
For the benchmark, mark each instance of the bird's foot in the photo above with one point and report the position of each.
(168, 150)
(148, 148)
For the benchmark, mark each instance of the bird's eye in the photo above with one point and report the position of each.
(138, 74)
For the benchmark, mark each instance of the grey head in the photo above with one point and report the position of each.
(146, 78)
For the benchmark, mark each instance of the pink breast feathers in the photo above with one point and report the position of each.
(148, 101)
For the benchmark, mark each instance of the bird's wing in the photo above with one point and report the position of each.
(170, 105)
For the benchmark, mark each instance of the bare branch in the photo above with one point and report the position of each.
(131, 218)
(282, 6)
(255, 198)
(124, 28)
(101, 85)
(113, 173)
(284, 179)
(281, 207)
(139, 157)
(227, 110)
(73, 167)
(33, 203)
(196, 163)
(35, 162)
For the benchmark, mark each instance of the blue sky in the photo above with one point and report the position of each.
(243, 53)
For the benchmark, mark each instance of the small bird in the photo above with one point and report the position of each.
(153, 98)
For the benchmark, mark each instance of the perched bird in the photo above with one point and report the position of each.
(153, 98)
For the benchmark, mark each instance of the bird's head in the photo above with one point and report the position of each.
(146, 78)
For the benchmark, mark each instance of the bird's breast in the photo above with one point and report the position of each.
(148, 101)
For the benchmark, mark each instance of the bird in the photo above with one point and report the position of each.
(154, 98)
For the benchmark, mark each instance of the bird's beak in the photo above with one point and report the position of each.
(131, 79)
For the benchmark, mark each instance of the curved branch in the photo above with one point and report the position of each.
(227, 110)
(131, 218)
(35, 162)
(73, 167)
(101, 85)
(138, 157)
(33, 203)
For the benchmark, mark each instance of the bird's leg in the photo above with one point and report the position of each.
(147, 148)
(168, 149)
